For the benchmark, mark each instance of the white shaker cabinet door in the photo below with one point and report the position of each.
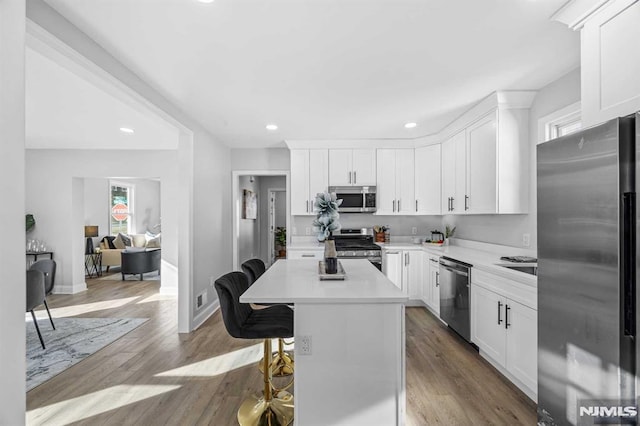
(300, 182)
(427, 182)
(488, 323)
(481, 193)
(340, 172)
(318, 174)
(522, 343)
(392, 266)
(405, 182)
(386, 190)
(364, 167)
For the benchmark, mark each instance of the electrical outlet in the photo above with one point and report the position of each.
(526, 240)
(307, 230)
(201, 299)
(304, 345)
(414, 230)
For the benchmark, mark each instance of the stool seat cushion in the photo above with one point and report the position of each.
(243, 322)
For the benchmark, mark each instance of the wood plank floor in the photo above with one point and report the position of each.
(154, 376)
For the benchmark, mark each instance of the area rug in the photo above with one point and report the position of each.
(73, 340)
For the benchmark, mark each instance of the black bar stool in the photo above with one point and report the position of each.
(245, 323)
(282, 364)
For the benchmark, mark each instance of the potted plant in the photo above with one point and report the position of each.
(448, 233)
(281, 240)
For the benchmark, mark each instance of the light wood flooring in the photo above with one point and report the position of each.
(154, 375)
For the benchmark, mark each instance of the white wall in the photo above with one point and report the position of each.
(508, 229)
(12, 258)
(55, 188)
(204, 181)
(260, 159)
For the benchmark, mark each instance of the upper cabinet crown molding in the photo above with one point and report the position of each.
(574, 13)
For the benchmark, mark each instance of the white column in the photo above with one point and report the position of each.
(12, 188)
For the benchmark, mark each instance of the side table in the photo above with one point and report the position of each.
(35, 255)
(93, 264)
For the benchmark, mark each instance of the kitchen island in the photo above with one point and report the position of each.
(350, 342)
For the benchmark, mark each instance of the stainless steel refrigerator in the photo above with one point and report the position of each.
(587, 271)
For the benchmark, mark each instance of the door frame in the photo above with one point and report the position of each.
(272, 225)
(236, 202)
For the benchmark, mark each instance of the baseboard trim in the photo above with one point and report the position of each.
(199, 319)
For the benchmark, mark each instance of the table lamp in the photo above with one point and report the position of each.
(89, 233)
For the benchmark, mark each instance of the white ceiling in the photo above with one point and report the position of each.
(64, 111)
(334, 69)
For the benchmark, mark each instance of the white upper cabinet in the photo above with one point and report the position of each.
(611, 62)
(309, 176)
(396, 182)
(485, 167)
(453, 173)
(481, 195)
(427, 183)
(349, 167)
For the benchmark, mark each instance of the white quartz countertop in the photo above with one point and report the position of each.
(297, 281)
(487, 261)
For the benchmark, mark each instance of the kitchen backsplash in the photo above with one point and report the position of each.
(400, 225)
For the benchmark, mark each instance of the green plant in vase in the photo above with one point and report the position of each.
(281, 240)
(448, 233)
(326, 221)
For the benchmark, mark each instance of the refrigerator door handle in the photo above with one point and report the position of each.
(629, 265)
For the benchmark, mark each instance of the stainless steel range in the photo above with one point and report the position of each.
(353, 244)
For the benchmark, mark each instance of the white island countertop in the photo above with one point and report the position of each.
(297, 281)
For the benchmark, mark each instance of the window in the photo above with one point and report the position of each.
(120, 208)
(560, 123)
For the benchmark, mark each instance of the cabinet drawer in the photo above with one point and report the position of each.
(513, 290)
(305, 254)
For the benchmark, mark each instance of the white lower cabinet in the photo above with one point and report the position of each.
(505, 329)
(431, 283)
(404, 269)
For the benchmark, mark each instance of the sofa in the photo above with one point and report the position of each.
(111, 247)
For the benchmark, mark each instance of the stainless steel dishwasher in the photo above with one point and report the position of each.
(454, 295)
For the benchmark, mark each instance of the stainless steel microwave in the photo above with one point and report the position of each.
(356, 199)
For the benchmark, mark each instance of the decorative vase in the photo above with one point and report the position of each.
(330, 257)
(446, 241)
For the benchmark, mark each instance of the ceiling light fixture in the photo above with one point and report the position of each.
(205, 1)
(410, 125)
(126, 130)
(271, 127)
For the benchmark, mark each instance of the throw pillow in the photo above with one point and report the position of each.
(154, 242)
(125, 239)
(118, 242)
(108, 241)
(138, 240)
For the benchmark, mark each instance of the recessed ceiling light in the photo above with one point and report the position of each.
(410, 125)
(271, 127)
(205, 1)
(126, 130)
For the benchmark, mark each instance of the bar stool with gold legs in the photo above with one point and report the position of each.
(274, 407)
(282, 363)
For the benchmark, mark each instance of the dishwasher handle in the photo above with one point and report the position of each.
(455, 271)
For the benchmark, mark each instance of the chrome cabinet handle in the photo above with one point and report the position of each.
(393, 252)
(499, 311)
(466, 202)
(452, 209)
(308, 255)
(355, 177)
(437, 279)
(394, 206)
(398, 206)
(406, 259)
(416, 205)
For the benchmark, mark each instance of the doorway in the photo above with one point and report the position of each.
(255, 217)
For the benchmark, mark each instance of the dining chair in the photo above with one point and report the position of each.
(36, 297)
(48, 268)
